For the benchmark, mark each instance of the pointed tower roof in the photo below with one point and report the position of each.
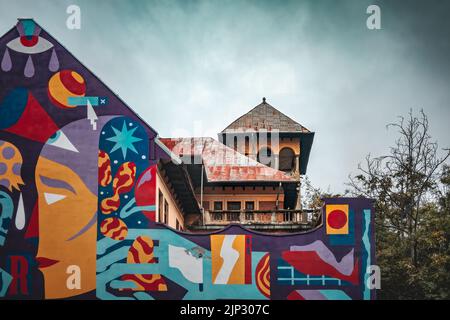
(265, 117)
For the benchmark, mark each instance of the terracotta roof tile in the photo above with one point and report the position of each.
(223, 163)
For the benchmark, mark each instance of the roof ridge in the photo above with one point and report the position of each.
(267, 105)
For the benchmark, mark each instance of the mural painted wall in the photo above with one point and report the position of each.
(77, 204)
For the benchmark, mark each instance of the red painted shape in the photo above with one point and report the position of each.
(35, 123)
(71, 84)
(145, 191)
(337, 219)
(309, 262)
(248, 259)
(294, 295)
(33, 226)
(19, 272)
(29, 41)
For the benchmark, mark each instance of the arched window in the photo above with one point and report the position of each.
(287, 159)
(265, 156)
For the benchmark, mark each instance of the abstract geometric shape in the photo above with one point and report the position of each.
(10, 166)
(52, 198)
(30, 121)
(317, 260)
(84, 101)
(63, 85)
(6, 213)
(323, 294)
(12, 107)
(60, 140)
(114, 228)
(144, 282)
(231, 259)
(366, 260)
(345, 239)
(336, 218)
(145, 191)
(190, 266)
(20, 214)
(124, 139)
(262, 275)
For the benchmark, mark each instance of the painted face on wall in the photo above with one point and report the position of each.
(67, 228)
(66, 182)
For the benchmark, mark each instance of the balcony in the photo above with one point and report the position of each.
(282, 220)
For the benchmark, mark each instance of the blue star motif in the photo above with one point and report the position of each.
(124, 140)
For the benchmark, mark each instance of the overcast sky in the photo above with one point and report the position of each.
(192, 67)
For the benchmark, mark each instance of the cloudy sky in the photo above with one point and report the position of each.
(192, 67)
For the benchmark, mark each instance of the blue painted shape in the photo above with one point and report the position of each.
(12, 107)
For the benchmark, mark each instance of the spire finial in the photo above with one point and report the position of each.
(264, 99)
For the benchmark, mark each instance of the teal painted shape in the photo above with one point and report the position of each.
(82, 101)
(28, 27)
(12, 107)
(367, 250)
(335, 295)
(167, 237)
(7, 210)
(124, 139)
(6, 281)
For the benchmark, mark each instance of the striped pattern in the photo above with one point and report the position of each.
(141, 251)
(104, 169)
(123, 182)
(114, 228)
(262, 276)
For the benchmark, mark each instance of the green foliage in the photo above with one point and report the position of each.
(411, 186)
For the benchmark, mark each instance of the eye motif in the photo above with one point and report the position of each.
(32, 45)
(29, 42)
(60, 140)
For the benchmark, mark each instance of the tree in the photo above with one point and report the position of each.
(409, 220)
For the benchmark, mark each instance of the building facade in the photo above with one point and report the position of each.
(93, 202)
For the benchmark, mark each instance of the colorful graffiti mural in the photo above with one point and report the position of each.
(77, 204)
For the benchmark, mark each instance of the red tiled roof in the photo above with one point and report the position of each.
(223, 163)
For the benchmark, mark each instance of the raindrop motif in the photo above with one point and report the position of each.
(29, 68)
(53, 65)
(6, 61)
(20, 215)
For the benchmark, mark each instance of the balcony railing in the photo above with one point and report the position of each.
(261, 219)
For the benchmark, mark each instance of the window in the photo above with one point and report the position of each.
(249, 205)
(160, 206)
(287, 159)
(178, 225)
(166, 212)
(218, 206)
(264, 156)
(233, 205)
